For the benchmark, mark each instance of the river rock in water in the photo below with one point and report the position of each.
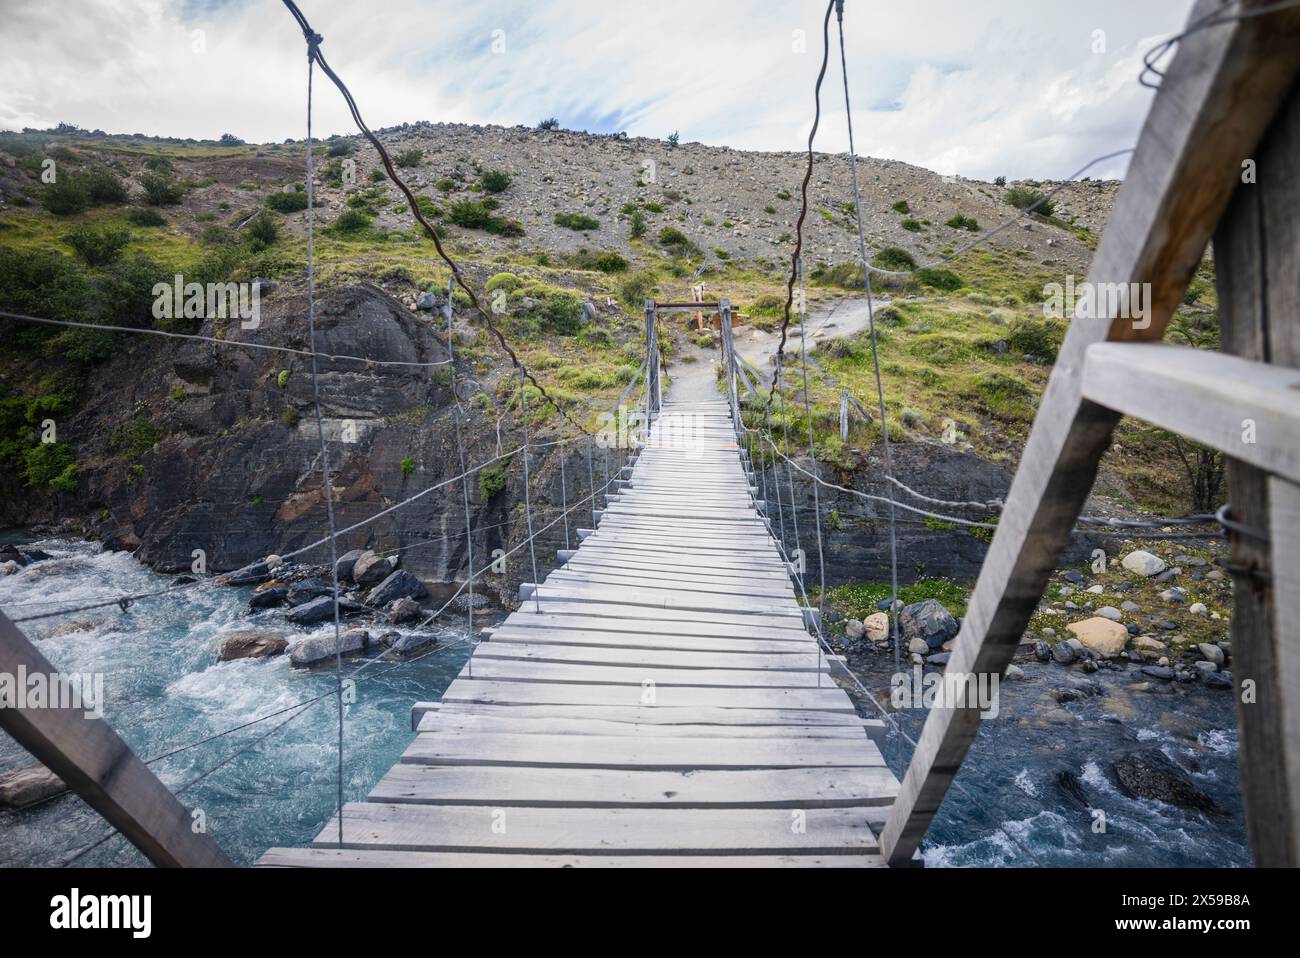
(928, 621)
(1149, 774)
(251, 645)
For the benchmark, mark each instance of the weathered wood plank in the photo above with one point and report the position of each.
(371, 858)
(555, 693)
(597, 831)
(602, 788)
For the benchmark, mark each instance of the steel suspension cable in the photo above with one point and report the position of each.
(875, 362)
(528, 505)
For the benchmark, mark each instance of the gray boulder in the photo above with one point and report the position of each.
(320, 648)
(319, 610)
(404, 609)
(370, 569)
(1150, 774)
(303, 592)
(343, 567)
(268, 598)
(407, 645)
(396, 585)
(251, 645)
(254, 574)
(928, 621)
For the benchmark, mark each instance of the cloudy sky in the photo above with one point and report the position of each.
(983, 88)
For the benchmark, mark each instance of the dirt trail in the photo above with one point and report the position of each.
(696, 378)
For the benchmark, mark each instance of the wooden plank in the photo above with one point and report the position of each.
(644, 715)
(709, 587)
(99, 767)
(636, 752)
(591, 618)
(666, 599)
(502, 722)
(1257, 255)
(1217, 98)
(516, 670)
(1203, 395)
(634, 642)
(601, 788)
(371, 858)
(603, 831)
(807, 661)
(555, 693)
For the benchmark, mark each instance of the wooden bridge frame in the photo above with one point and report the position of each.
(1229, 98)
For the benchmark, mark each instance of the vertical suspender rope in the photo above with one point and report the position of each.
(812, 454)
(464, 475)
(564, 496)
(789, 469)
(528, 504)
(326, 482)
(875, 359)
(591, 479)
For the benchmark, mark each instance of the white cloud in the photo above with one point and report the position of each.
(1007, 87)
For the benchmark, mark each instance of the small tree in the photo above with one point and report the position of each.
(161, 190)
(672, 138)
(550, 123)
(229, 139)
(495, 181)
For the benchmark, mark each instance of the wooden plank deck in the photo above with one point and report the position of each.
(666, 706)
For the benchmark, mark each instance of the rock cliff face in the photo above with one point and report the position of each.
(231, 460)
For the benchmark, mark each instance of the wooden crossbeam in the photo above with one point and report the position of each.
(1219, 95)
(101, 768)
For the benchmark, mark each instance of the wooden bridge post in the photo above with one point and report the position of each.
(1257, 252)
(1217, 98)
(729, 357)
(101, 768)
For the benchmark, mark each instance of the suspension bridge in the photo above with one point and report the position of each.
(658, 699)
(664, 697)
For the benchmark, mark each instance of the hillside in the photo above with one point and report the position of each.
(156, 438)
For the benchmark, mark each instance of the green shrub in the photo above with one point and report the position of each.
(51, 465)
(637, 229)
(941, 279)
(290, 417)
(290, 201)
(1023, 197)
(671, 237)
(262, 231)
(610, 262)
(408, 466)
(350, 223)
(770, 210)
(843, 275)
(161, 190)
(340, 148)
(491, 481)
(561, 313)
(282, 378)
(962, 222)
(912, 226)
(506, 281)
(495, 181)
(550, 123)
(158, 164)
(98, 245)
(654, 208)
(411, 157)
(894, 258)
(145, 216)
(134, 438)
(65, 196)
(104, 187)
(1035, 337)
(636, 289)
(445, 185)
(577, 221)
(902, 207)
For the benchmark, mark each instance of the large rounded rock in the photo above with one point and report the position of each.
(303, 592)
(1142, 562)
(318, 610)
(875, 627)
(397, 585)
(251, 645)
(404, 609)
(370, 569)
(928, 621)
(320, 648)
(343, 567)
(1102, 635)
